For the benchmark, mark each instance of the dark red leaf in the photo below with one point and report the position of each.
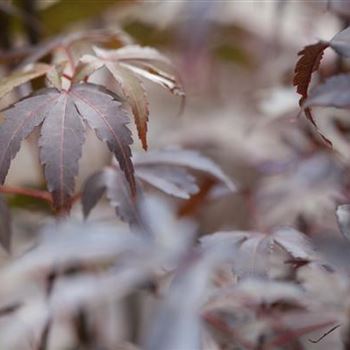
(63, 114)
(107, 117)
(62, 137)
(19, 123)
(308, 63)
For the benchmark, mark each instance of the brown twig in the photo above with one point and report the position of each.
(324, 335)
(285, 337)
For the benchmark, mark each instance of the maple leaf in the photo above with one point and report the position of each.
(167, 170)
(309, 62)
(125, 65)
(254, 250)
(308, 188)
(63, 115)
(310, 59)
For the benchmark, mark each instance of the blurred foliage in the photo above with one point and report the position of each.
(233, 54)
(28, 203)
(252, 263)
(149, 35)
(65, 12)
(55, 18)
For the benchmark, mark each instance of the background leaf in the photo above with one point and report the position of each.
(18, 78)
(334, 92)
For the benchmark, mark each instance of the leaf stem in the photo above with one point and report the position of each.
(42, 195)
(69, 57)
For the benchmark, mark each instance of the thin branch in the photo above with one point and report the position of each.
(285, 337)
(324, 335)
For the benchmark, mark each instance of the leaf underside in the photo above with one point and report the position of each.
(166, 170)
(334, 92)
(110, 182)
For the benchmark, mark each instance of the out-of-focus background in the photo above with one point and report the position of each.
(236, 61)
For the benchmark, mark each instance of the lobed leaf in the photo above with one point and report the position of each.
(125, 64)
(183, 158)
(253, 250)
(63, 114)
(166, 170)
